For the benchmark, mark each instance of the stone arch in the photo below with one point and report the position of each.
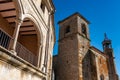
(19, 9)
(38, 28)
(83, 29)
(30, 37)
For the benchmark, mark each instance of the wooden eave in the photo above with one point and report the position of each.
(9, 13)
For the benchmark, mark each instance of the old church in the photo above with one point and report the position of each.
(77, 59)
(27, 38)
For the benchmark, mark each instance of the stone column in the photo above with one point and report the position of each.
(15, 35)
(39, 56)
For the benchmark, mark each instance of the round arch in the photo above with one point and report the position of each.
(30, 37)
(38, 28)
(19, 9)
(84, 29)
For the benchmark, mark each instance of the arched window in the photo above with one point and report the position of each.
(67, 30)
(42, 6)
(102, 77)
(83, 30)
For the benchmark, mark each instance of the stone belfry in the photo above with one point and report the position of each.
(74, 43)
(108, 50)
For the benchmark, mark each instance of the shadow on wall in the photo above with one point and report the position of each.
(89, 66)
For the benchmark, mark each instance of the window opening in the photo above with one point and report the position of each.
(67, 29)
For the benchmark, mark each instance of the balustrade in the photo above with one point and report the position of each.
(22, 51)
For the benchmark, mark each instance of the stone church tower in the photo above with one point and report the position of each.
(76, 59)
(73, 44)
(107, 47)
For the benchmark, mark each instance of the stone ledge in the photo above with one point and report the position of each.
(16, 61)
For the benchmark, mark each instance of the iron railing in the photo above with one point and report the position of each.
(25, 54)
(4, 39)
(22, 51)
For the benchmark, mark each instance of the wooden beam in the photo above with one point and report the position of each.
(5, 1)
(27, 29)
(27, 23)
(27, 26)
(10, 20)
(13, 9)
(8, 13)
(9, 5)
(9, 17)
(28, 33)
(27, 20)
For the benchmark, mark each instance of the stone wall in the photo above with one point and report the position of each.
(101, 65)
(13, 67)
(10, 72)
(67, 63)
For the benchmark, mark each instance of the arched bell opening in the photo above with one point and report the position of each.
(84, 30)
(27, 46)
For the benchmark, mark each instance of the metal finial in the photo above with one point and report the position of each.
(106, 38)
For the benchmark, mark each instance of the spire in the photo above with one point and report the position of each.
(105, 35)
(106, 38)
(106, 43)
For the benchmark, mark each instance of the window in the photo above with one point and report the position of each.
(102, 77)
(100, 61)
(42, 6)
(67, 29)
(83, 30)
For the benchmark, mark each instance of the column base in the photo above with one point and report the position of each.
(14, 52)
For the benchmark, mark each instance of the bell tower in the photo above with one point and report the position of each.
(106, 43)
(108, 50)
(74, 43)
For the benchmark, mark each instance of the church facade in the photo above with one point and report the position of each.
(26, 39)
(77, 59)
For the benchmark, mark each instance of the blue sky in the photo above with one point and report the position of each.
(104, 16)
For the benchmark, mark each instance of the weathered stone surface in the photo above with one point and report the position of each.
(9, 72)
(76, 59)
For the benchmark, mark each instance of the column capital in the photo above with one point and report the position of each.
(18, 21)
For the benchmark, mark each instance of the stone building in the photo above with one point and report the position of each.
(26, 39)
(76, 59)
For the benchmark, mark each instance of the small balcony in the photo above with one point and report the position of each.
(21, 50)
(28, 36)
